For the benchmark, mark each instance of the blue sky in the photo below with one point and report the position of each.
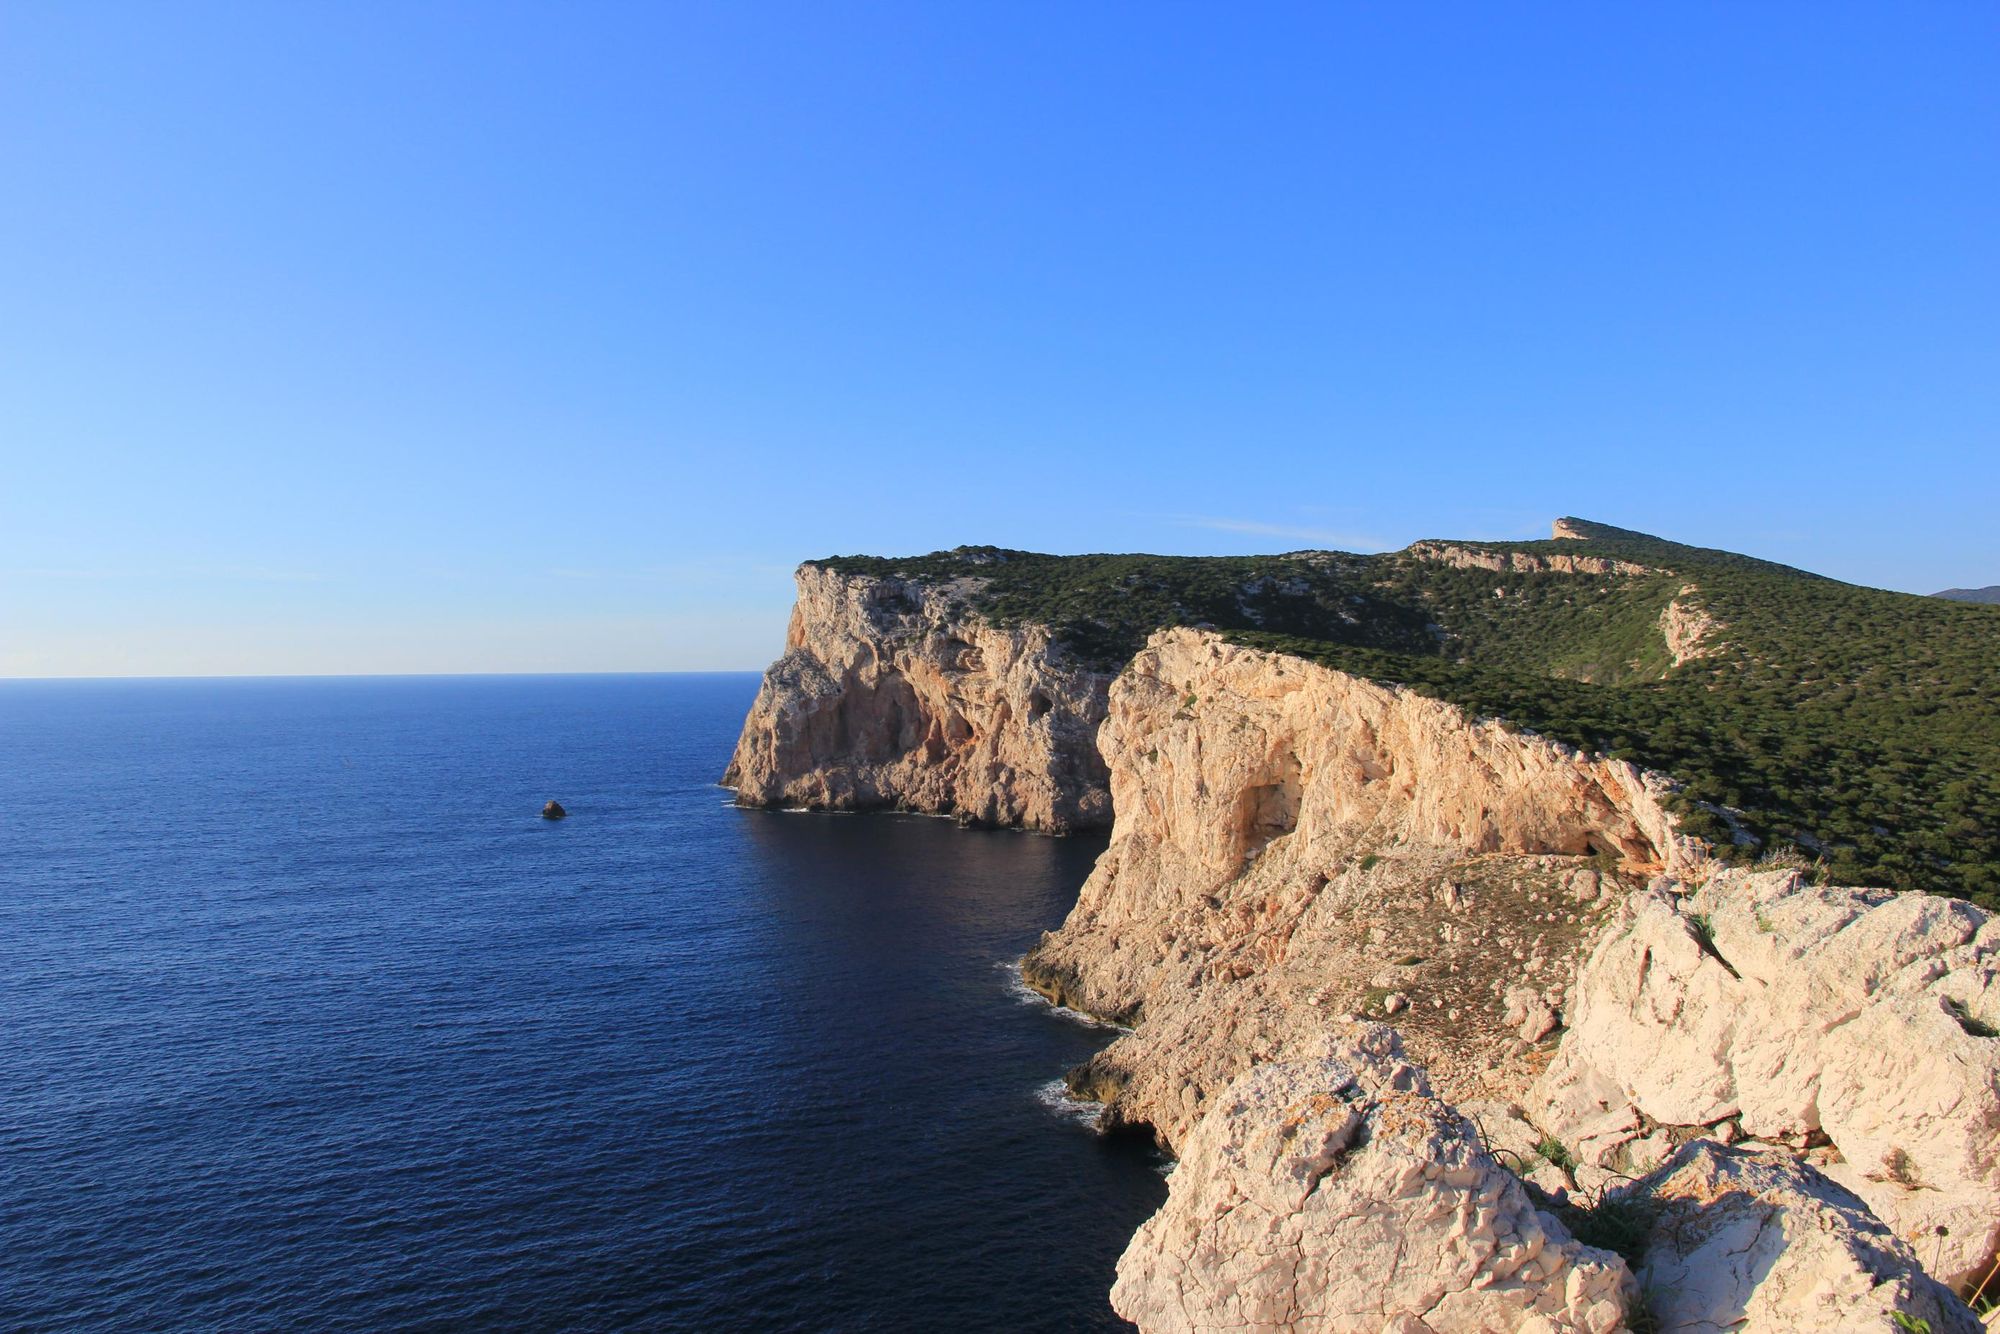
(501, 337)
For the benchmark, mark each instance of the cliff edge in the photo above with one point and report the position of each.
(1294, 844)
(891, 694)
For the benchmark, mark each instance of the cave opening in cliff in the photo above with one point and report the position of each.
(1629, 851)
(1269, 811)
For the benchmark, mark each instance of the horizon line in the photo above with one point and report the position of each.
(372, 676)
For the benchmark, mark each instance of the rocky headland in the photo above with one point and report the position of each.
(892, 695)
(1451, 1025)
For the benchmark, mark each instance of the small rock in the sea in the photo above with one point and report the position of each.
(554, 811)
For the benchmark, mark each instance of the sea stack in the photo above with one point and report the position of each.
(554, 811)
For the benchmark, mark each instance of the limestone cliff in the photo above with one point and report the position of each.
(1460, 557)
(894, 694)
(1688, 627)
(1293, 843)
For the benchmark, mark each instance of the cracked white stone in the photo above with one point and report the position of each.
(1762, 1242)
(1336, 1195)
(1806, 1014)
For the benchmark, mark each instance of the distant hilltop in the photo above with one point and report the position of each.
(1990, 593)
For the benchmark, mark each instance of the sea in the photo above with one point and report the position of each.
(309, 1022)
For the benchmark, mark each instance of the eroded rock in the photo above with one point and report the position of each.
(1294, 843)
(1334, 1194)
(1535, 1017)
(1761, 1241)
(1461, 557)
(892, 693)
(1851, 1023)
(1689, 628)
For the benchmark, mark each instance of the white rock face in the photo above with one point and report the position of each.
(1334, 1194)
(1523, 562)
(1760, 1241)
(1808, 1016)
(1294, 843)
(894, 694)
(1688, 628)
(1223, 757)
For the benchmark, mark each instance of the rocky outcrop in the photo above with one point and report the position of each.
(1523, 562)
(1294, 843)
(1761, 1241)
(1334, 1194)
(896, 694)
(1688, 628)
(1855, 1026)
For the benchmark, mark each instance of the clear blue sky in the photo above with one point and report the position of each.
(478, 336)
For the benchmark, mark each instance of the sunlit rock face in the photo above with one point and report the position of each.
(895, 694)
(1293, 843)
(1761, 1241)
(1295, 847)
(1852, 1025)
(1335, 1194)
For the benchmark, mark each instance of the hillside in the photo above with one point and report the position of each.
(1855, 725)
(1989, 594)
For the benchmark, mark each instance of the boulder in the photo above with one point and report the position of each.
(1335, 1194)
(554, 811)
(1533, 1017)
(1761, 1241)
(1856, 1024)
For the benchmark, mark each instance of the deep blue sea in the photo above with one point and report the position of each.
(308, 1022)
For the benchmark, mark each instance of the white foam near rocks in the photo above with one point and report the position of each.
(1024, 994)
(1055, 1096)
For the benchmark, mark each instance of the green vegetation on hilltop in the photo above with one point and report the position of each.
(1645, 549)
(1604, 628)
(1859, 725)
(1103, 607)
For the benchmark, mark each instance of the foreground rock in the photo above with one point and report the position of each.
(1761, 1241)
(1854, 1026)
(1335, 1194)
(892, 693)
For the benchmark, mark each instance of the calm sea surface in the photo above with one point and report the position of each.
(307, 1022)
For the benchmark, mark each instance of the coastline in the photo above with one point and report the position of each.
(1265, 890)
